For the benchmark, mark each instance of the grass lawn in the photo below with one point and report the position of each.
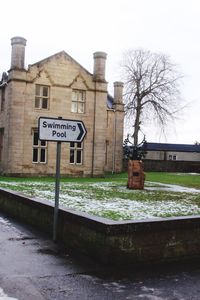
(108, 197)
(183, 179)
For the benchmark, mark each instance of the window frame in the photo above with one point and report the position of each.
(39, 147)
(3, 98)
(76, 148)
(77, 102)
(172, 157)
(41, 97)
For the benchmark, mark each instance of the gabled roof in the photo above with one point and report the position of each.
(172, 147)
(45, 60)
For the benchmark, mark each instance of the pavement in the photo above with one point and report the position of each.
(33, 267)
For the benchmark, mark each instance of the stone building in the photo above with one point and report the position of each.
(58, 86)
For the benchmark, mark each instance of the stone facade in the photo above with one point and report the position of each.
(55, 87)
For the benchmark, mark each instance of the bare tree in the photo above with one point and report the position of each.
(151, 89)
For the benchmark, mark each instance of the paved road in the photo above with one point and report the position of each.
(32, 267)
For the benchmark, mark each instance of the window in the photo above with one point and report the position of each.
(78, 101)
(39, 149)
(41, 96)
(76, 153)
(106, 156)
(2, 98)
(172, 157)
(1, 142)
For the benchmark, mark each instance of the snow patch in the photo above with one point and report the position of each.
(3, 296)
(97, 198)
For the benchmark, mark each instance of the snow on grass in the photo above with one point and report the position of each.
(113, 200)
(175, 188)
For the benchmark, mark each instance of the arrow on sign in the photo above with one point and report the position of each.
(61, 130)
(82, 132)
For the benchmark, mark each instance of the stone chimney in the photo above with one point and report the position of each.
(118, 92)
(18, 52)
(99, 66)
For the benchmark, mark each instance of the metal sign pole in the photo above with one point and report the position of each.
(57, 190)
(60, 130)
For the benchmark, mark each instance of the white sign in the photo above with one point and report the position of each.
(61, 130)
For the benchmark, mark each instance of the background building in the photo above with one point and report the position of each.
(172, 157)
(181, 152)
(58, 86)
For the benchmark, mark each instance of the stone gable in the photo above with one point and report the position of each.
(58, 86)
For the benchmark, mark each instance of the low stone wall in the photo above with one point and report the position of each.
(172, 166)
(168, 166)
(128, 243)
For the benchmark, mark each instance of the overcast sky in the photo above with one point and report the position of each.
(83, 27)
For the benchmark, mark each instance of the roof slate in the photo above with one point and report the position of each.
(172, 147)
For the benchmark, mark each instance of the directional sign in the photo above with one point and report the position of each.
(61, 130)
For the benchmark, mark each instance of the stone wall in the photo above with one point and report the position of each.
(123, 244)
(172, 166)
(168, 166)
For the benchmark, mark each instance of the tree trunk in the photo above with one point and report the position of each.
(136, 126)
